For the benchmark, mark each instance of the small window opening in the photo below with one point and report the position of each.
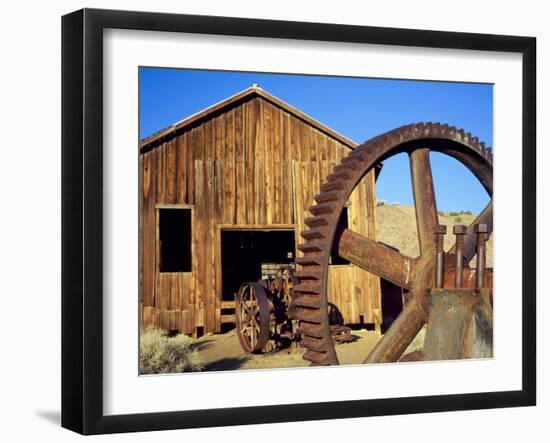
(175, 240)
(335, 259)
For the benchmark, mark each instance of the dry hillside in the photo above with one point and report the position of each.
(396, 226)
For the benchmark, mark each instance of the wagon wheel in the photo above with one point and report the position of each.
(253, 317)
(416, 275)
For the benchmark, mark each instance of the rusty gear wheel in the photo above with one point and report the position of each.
(415, 275)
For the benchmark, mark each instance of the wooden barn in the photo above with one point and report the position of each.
(224, 194)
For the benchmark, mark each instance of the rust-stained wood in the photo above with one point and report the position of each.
(252, 165)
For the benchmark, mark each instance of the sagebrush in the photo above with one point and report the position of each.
(161, 354)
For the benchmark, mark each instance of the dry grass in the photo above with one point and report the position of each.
(160, 354)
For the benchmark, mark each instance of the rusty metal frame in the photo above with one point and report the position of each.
(82, 219)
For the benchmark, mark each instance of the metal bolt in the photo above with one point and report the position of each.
(440, 232)
(481, 231)
(459, 231)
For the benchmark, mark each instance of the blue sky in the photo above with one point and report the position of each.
(358, 108)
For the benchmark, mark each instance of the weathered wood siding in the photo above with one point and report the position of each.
(254, 164)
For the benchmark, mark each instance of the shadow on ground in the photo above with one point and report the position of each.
(354, 338)
(226, 363)
(202, 345)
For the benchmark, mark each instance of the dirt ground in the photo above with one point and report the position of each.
(223, 352)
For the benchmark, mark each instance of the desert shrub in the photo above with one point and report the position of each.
(458, 220)
(441, 213)
(467, 212)
(380, 202)
(160, 354)
(453, 214)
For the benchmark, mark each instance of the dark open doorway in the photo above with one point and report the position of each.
(392, 302)
(244, 253)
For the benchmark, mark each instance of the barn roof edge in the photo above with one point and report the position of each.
(148, 142)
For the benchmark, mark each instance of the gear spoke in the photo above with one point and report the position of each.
(376, 258)
(400, 334)
(424, 199)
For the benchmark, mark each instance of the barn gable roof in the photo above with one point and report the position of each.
(155, 139)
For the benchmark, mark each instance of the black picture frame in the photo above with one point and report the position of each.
(82, 218)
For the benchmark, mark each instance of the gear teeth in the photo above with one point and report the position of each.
(332, 186)
(308, 301)
(309, 315)
(427, 129)
(307, 275)
(309, 260)
(312, 234)
(358, 154)
(322, 208)
(314, 344)
(315, 222)
(310, 330)
(349, 159)
(342, 175)
(317, 358)
(311, 247)
(307, 288)
(344, 166)
(328, 196)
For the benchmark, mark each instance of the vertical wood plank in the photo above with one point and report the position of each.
(229, 169)
(171, 171)
(250, 173)
(158, 153)
(240, 164)
(219, 137)
(277, 161)
(286, 173)
(209, 221)
(209, 143)
(199, 237)
(149, 229)
(260, 161)
(191, 143)
(181, 158)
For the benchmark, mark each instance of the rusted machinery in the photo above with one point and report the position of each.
(454, 300)
(265, 314)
